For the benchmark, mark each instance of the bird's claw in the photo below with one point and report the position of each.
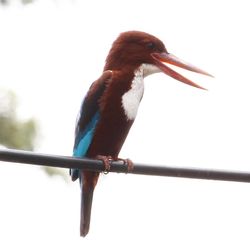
(128, 163)
(106, 162)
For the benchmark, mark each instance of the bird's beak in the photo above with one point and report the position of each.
(161, 59)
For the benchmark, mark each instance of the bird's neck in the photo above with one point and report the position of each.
(149, 69)
(128, 84)
(132, 98)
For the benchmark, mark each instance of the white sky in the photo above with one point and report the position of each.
(51, 51)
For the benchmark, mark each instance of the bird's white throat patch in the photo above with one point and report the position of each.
(132, 98)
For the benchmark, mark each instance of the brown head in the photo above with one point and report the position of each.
(134, 48)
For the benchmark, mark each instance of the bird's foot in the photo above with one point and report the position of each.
(106, 162)
(128, 163)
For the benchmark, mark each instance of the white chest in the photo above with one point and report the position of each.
(131, 99)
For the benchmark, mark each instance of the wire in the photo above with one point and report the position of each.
(28, 157)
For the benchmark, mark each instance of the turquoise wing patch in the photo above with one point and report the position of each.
(85, 138)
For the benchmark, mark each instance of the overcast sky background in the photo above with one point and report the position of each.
(51, 51)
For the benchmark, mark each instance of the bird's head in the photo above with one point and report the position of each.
(134, 48)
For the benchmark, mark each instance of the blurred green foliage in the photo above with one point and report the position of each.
(15, 133)
(6, 2)
(23, 2)
(19, 134)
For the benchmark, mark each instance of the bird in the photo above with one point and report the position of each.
(110, 106)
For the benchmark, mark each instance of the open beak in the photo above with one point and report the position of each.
(161, 58)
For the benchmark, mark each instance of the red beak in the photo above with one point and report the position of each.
(161, 58)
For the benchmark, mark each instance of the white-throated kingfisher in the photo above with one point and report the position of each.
(111, 104)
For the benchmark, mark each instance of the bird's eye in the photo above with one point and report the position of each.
(150, 45)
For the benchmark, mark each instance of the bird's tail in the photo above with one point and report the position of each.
(88, 182)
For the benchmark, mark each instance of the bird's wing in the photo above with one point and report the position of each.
(89, 115)
(88, 118)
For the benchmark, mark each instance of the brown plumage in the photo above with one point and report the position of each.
(110, 106)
